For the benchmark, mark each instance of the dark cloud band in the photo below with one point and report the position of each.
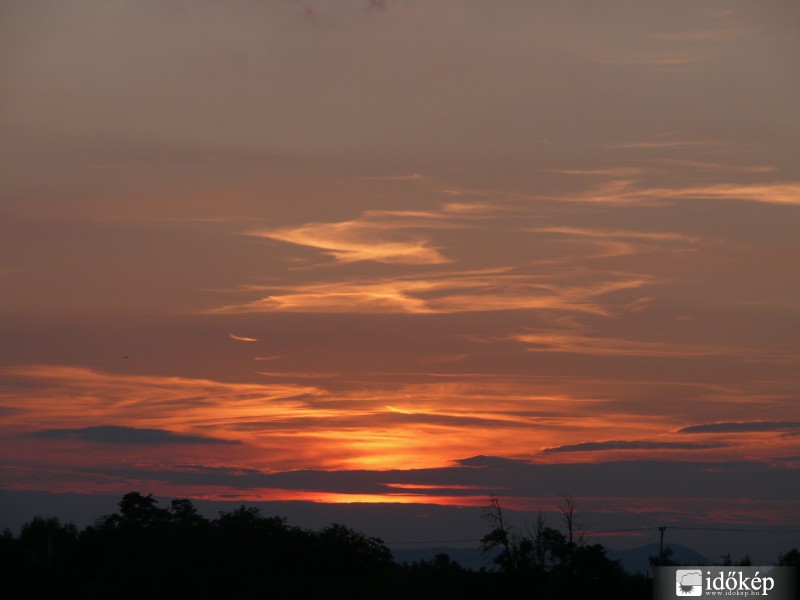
(741, 427)
(115, 434)
(633, 445)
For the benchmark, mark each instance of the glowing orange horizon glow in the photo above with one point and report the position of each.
(378, 427)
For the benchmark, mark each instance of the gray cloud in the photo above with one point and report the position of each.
(115, 434)
(633, 445)
(740, 427)
(491, 475)
(382, 419)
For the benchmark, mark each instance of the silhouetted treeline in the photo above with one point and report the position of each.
(554, 564)
(148, 552)
(145, 552)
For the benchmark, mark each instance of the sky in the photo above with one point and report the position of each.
(405, 252)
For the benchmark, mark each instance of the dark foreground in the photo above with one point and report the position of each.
(147, 552)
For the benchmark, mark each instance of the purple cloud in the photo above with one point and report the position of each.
(115, 434)
(740, 427)
(633, 445)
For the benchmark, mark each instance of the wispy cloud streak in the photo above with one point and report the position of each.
(633, 445)
(741, 427)
(500, 289)
(632, 192)
(241, 338)
(577, 343)
(372, 237)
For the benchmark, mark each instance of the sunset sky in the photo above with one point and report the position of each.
(405, 251)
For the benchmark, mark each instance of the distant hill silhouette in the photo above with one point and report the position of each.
(174, 552)
(473, 559)
(637, 560)
(633, 560)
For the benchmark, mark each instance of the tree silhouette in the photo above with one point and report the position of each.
(145, 551)
(184, 514)
(499, 537)
(567, 509)
(42, 558)
(545, 559)
(790, 559)
(728, 561)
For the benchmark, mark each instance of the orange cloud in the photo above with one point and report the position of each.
(179, 404)
(630, 192)
(787, 193)
(240, 338)
(711, 166)
(612, 243)
(383, 236)
(623, 234)
(372, 237)
(380, 425)
(467, 291)
(560, 341)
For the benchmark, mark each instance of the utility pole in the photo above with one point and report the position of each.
(661, 547)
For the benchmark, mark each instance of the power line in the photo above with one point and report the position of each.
(738, 530)
(432, 542)
(590, 532)
(649, 528)
(682, 528)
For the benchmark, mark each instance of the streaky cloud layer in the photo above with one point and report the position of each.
(633, 445)
(740, 427)
(408, 252)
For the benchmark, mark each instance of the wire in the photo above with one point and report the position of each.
(431, 542)
(795, 531)
(591, 533)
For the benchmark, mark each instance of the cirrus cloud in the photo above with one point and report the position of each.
(741, 427)
(633, 445)
(241, 338)
(497, 289)
(371, 237)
